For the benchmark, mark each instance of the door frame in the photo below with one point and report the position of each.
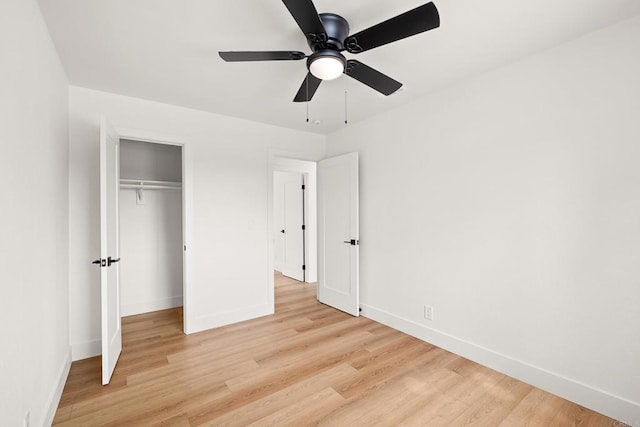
(187, 203)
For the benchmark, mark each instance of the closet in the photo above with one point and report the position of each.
(150, 204)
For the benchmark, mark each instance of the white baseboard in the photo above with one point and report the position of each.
(227, 318)
(149, 306)
(86, 349)
(590, 397)
(56, 393)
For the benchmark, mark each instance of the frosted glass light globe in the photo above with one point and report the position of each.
(326, 68)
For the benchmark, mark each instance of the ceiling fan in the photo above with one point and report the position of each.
(327, 35)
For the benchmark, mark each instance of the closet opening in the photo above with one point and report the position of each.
(151, 230)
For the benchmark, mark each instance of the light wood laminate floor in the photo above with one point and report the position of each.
(306, 365)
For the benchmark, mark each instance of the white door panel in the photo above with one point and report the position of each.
(109, 250)
(291, 244)
(338, 233)
(293, 211)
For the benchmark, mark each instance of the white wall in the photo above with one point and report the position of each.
(151, 251)
(34, 348)
(511, 204)
(226, 188)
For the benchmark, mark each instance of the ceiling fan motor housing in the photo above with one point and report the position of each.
(335, 27)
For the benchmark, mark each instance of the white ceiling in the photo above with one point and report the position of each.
(166, 50)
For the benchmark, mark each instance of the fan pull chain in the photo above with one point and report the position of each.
(307, 84)
(345, 107)
(346, 85)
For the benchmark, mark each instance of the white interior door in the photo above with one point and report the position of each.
(338, 233)
(109, 250)
(289, 200)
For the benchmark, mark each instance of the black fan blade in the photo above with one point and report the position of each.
(306, 15)
(262, 56)
(308, 88)
(372, 78)
(416, 21)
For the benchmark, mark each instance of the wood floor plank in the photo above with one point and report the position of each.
(286, 374)
(221, 353)
(163, 391)
(387, 403)
(378, 371)
(534, 409)
(303, 412)
(496, 405)
(177, 421)
(418, 393)
(307, 364)
(271, 402)
(342, 339)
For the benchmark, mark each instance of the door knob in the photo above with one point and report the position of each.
(100, 261)
(352, 242)
(282, 231)
(112, 261)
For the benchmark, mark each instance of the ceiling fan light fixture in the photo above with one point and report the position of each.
(327, 64)
(327, 35)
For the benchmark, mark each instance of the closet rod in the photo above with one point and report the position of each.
(149, 187)
(149, 184)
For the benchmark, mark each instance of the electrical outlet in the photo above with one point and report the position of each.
(428, 312)
(27, 419)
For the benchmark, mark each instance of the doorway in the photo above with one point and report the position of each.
(332, 227)
(305, 172)
(138, 174)
(151, 227)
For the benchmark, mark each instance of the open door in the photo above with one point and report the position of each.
(338, 233)
(109, 249)
(289, 220)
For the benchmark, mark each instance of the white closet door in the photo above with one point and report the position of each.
(109, 250)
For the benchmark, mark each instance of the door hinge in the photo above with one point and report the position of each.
(304, 267)
(303, 187)
(304, 227)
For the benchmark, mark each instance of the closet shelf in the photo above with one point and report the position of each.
(146, 184)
